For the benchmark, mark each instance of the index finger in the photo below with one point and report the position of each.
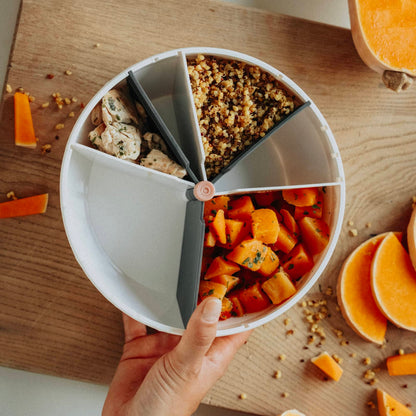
(133, 329)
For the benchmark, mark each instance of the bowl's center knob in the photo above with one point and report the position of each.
(204, 191)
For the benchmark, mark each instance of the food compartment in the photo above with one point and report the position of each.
(264, 249)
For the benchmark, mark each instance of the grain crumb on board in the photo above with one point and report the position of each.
(31, 98)
(367, 361)
(68, 72)
(281, 357)
(353, 354)
(285, 394)
(371, 404)
(350, 223)
(401, 351)
(243, 396)
(370, 377)
(368, 225)
(59, 126)
(337, 358)
(50, 76)
(9, 89)
(45, 105)
(277, 374)
(329, 291)
(353, 232)
(11, 195)
(71, 114)
(290, 332)
(97, 45)
(286, 321)
(46, 148)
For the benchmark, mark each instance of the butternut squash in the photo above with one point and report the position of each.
(328, 365)
(226, 308)
(208, 288)
(218, 226)
(285, 240)
(24, 132)
(249, 254)
(388, 406)
(411, 237)
(220, 266)
(241, 208)
(24, 206)
(401, 365)
(270, 263)
(354, 294)
(315, 234)
(212, 206)
(264, 225)
(301, 197)
(279, 287)
(238, 309)
(292, 412)
(384, 34)
(227, 280)
(393, 283)
(298, 263)
(253, 298)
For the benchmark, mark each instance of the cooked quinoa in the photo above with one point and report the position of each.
(236, 104)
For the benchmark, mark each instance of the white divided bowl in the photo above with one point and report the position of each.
(125, 222)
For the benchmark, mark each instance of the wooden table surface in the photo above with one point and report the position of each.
(54, 321)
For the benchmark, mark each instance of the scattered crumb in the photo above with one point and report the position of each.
(369, 375)
(56, 137)
(59, 126)
(404, 386)
(329, 291)
(45, 105)
(353, 232)
(350, 223)
(71, 114)
(67, 101)
(97, 45)
(9, 89)
(344, 343)
(401, 351)
(368, 225)
(31, 98)
(371, 404)
(68, 72)
(353, 354)
(243, 396)
(46, 148)
(20, 89)
(337, 359)
(74, 99)
(11, 195)
(311, 339)
(277, 374)
(282, 357)
(339, 333)
(286, 321)
(285, 394)
(50, 76)
(290, 332)
(367, 361)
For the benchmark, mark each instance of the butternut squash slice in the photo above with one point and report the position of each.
(388, 406)
(384, 34)
(328, 365)
(24, 133)
(401, 365)
(393, 283)
(24, 206)
(354, 294)
(411, 237)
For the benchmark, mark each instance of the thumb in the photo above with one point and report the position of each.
(199, 334)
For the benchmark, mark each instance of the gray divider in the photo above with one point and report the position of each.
(191, 259)
(151, 111)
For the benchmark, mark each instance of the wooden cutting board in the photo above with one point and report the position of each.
(54, 321)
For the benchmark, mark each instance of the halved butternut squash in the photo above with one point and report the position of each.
(389, 406)
(393, 283)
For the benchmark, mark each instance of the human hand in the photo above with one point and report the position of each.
(162, 374)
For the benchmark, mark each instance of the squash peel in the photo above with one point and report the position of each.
(388, 406)
(292, 412)
(393, 283)
(354, 294)
(411, 237)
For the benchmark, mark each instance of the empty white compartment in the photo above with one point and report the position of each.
(125, 222)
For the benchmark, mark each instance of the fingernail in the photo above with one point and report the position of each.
(212, 310)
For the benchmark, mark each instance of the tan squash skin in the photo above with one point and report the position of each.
(393, 79)
(411, 237)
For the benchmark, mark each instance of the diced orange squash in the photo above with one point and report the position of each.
(389, 406)
(218, 226)
(207, 258)
(249, 254)
(208, 288)
(24, 206)
(285, 241)
(226, 309)
(279, 287)
(314, 211)
(393, 283)
(270, 263)
(253, 298)
(238, 309)
(220, 266)
(227, 280)
(264, 225)
(402, 365)
(315, 234)
(209, 238)
(24, 133)
(354, 295)
(290, 223)
(212, 206)
(241, 208)
(328, 365)
(265, 199)
(235, 232)
(298, 263)
(301, 197)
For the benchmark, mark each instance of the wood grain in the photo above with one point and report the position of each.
(54, 321)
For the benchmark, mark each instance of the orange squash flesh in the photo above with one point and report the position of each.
(24, 133)
(220, 266)
(393, 283)
(354, 294)
(328, 365)
(388, 406)
(25, 206)
(401, 365)
(279, 287)
(264, 225)
(292, 412)
(388, 29)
